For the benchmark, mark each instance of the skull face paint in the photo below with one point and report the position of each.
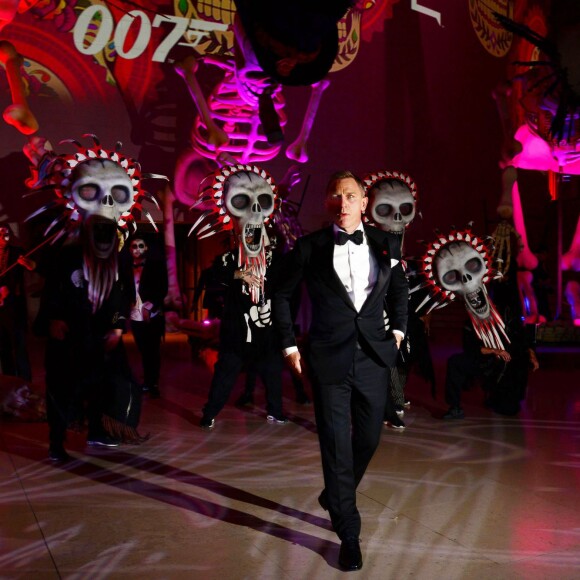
(249, 200)
(392, 206)
(461, 269)
(138, 247)
(102, 192)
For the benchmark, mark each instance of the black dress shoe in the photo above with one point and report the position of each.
(350, 557)
(323, 501)
(58, 454)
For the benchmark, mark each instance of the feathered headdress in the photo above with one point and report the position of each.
(490, 330)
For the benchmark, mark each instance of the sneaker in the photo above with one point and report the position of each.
(280, 420)
(395, 422)
(407, 404)
(207, 424)
(454, 413)
(103, 441)
(57, 453)
(400, 410)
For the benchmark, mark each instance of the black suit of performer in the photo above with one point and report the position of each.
(147, 279)
(349, 348)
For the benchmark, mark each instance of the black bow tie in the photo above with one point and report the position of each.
(356, 237)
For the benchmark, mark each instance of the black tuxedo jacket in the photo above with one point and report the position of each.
(153, 285)
(336, 327)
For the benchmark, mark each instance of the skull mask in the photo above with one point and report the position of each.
(249, 200)
(392, 205)
(102, 192)
(461, 270)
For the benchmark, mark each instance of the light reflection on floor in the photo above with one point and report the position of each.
(486, 497)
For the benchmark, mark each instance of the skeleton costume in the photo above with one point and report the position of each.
(459, 264)
(244, 198)
(392, 208)
(84, 304)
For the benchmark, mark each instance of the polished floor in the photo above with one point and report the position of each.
(489, 497)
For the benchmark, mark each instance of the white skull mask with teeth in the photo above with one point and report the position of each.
(249, 200)
(460, 269)
(102, 192)
(392, 205)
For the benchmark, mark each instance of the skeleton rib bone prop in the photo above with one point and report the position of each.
(297, 151)
(460, 264)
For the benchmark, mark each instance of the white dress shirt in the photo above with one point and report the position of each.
(356, 267)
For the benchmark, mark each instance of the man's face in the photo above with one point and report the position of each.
(346, 203)
(138, 248)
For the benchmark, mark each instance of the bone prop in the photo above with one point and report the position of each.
(297, 150)
(174, 293)
(571, 259)
(525, 258)
(18, 114)
(186, 69)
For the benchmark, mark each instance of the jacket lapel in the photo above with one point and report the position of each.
(325, 266)
(383, 260)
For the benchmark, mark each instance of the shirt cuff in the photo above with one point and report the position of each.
(399, 333)
(289, 350)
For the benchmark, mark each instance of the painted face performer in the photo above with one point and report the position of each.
(459, 264)
(243, 198)
(84, 304)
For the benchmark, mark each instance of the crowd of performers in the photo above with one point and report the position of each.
(100, 282)
(369, 309)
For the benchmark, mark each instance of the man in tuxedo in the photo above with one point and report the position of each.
(352, 272)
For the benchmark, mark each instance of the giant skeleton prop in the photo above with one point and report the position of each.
(459, 264)
(244, 199)
(97, 192)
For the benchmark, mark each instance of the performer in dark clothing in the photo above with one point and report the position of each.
(504, 371)
(14, 359)
(247, 339)
(84, 356)
(349, 270)
(146, 276)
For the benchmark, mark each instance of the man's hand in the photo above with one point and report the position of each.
(398, 339)
(112, 339)
(249, 277)
(497, 352)
(58, 329)
(293, 360)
